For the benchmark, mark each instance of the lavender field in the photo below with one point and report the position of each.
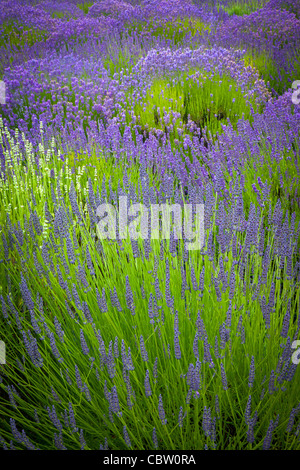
(140, 343)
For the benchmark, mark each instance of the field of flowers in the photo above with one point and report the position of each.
(140, 343)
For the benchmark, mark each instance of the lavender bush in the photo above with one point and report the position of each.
(130, 343)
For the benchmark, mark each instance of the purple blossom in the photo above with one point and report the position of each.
(126, 437)
(147, 385)
(78, 378)
(84, 345)
(115, 299)
(115, 400)
(72, 418)
(26, 293)
(110, 362)
(207, 354)
(58, 441)
(272, 387)
(54, 418)
(251, 373)
(223, 377)
(154, 438)
(129, 297)
(58, 329)
(161, 411)
(268, 439)
(143, 349)
(250, 430)
(206, 421)
(87, 312)
(82, 440)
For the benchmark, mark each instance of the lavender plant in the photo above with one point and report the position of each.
(140, 343)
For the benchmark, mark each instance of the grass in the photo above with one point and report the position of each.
(207, 100)
(55, 268)
(125, 325)
(241, 8)
(85, 6)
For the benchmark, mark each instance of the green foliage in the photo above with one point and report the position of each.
(35, 180)
(210, 101)
(85, 6)
(242, 7)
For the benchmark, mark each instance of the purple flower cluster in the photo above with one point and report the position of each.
(289, 5)
(85, 103)
(64, 10)
(267, 28)
(113, 8)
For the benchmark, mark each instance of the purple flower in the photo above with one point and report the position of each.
(115, 300)
(129, 297)
(248, 410)
(70, 251)
(129, 364)
(78, 378)
(115, 400)
(201, 279)
(59, 331)
(232, 283)
(55, 396)
(291, 420)
(207, 354)
(169, 298)
(58, 441)
(72, 418)
(11, 390)
(154, 438)
(101, 300)
(206, 421)
(251, 373)
(177, 344)
(81, 275)
(126, 437)
(250, 430)
(53, 416)
(68, 378)
(224, 335)
(82, 440)
(87, 312)
(150, 308)
(26, 294)
(143, 350)
(147, 384)
(195, 346)
(268, 439)
(84, 345)
(272, 387)
(76, 297)
(89, 262)
(36, 417)
(157, 289)
(161, 411)
(223, 377)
